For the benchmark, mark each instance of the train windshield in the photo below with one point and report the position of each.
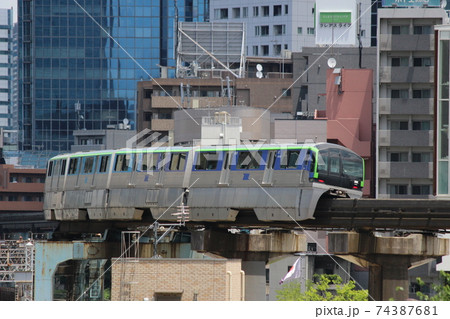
(352, 165)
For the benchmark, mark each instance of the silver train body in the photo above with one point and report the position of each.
(270, 182)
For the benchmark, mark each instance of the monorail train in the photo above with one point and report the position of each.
(270, 182)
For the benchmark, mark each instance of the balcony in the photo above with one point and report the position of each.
(406, 42)
(405, 138)
(405, 170)
(406, 106)
(162, 125)
(192, 102)
(405, 74)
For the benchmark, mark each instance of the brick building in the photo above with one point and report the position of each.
(178, 279)
(21, 195)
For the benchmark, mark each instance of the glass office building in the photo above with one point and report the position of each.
(6, 67)
(80, 61)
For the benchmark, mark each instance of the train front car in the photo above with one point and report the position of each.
(338, 170)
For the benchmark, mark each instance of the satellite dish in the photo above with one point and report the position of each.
(443, 4)
(331, 62)
(259, 74)
(259, 67)
(125, 121)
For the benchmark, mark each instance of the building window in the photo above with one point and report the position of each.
(399, 94)
(398, 156)
(398, 189)
(423, 29)
(426, 61)
(265, 11)
(299, 30)
(277, 49)
(401, 61)
(286, 9)
(255, 50)
(424, 157)
(257, 30)
(310, 30)
(422, 94)
(147, 116)
(236, 13)
(399, 125)
(14, 179)
(245, 12)
(264, 30)
(421, 125)
(421, 189)
(147, 94)
(279, 29)
(286, 92)
(400, 29)
(276, 10)
(255, 11)
(265, 50)
(311, 247)
(221, 13)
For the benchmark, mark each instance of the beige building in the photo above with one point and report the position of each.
(178, 279)
(158, 99)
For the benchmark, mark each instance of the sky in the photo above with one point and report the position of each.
(7, 4)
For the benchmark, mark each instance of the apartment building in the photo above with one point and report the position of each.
(405, 95)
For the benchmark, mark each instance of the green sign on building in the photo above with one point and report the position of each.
(335, 17)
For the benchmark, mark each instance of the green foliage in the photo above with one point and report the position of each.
(107, 294)
(320, 290)
(442, 291)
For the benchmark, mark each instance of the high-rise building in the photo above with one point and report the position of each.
(79, 61)
(405, 120)
(6, 67)
(275, 27)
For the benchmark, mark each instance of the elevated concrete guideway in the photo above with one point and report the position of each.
(388, 258)
(414, 214)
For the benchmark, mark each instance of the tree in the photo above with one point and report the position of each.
(320, 290)
(442, 291)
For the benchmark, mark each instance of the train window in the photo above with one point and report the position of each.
(149, 162)
(177, 161)
(73, 166)
(206, 161)
(290, 159)
(249, 160)
(88, 165)
(334, 162)
(123, 162)
(322, 162)
(103, 163)
(271, 159)
(352, 165)
(63, 167)
(50, 168)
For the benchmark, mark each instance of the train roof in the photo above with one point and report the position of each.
(317, 146)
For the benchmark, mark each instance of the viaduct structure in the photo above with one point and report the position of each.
(387, 258)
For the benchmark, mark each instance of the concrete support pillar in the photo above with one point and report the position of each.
(388, 279)
(388, 258)
(254, 250)
(255, 280)
(48, 255)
